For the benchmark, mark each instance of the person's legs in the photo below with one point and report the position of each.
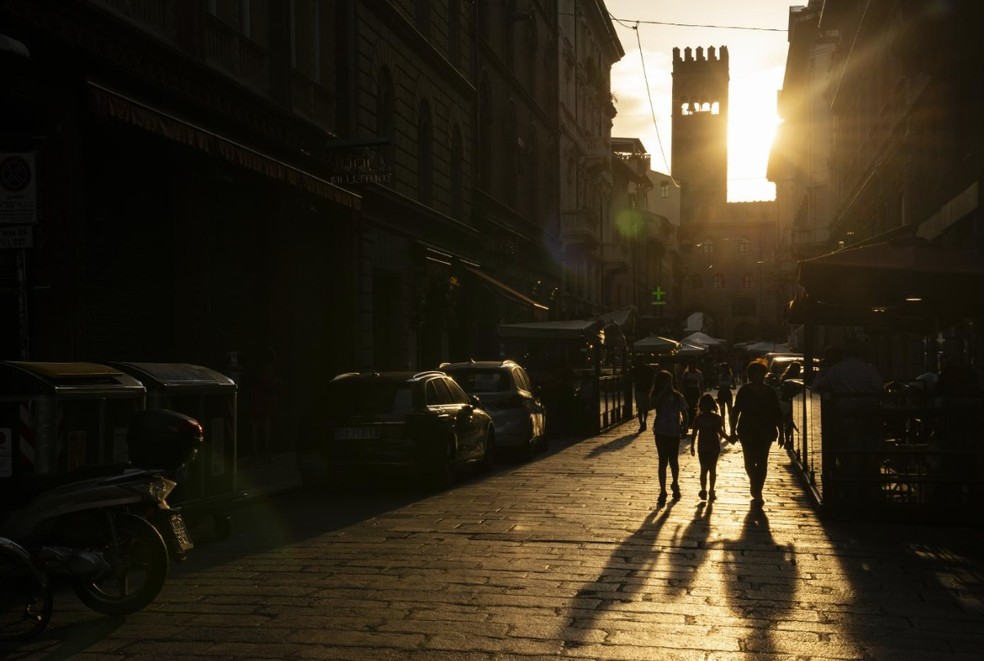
(674, 458)
(756, 455)
(712, 470)
(664, 459)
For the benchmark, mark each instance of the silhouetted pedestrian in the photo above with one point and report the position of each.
(670, 425)
(708, 432)
(642, 380)
(756, 418)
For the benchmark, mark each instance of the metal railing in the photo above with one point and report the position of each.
(892, 456)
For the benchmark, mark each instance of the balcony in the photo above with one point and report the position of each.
(597, 148)
(232, 52)
(581, 226)
(312, 101)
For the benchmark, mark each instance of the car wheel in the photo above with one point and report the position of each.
(488, 459)
(442, 471)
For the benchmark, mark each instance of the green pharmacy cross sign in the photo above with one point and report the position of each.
(658, 295)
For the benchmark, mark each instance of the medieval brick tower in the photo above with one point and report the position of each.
(700, 132)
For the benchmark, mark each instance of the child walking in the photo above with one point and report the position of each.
(708, 432)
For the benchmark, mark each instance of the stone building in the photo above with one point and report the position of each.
(353, 185)
(731, 266)
(588, 46)
(639, 241)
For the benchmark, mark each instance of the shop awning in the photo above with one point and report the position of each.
(590, 329)
(505, 289)
(892, 282)
(115, 105)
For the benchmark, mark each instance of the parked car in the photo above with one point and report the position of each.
(421, 423)
(507, 393)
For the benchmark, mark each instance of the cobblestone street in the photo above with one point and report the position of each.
(562, 557)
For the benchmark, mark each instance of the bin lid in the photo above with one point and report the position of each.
(167, 376)
(31, 378)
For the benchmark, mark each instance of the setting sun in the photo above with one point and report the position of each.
(752, 125)
(642, 83)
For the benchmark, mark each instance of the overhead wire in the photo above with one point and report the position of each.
(652, 108)
(634, 25)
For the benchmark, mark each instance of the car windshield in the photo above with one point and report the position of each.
(359, 397)
(481, 380)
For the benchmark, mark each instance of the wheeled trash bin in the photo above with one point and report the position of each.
(208, 485)
(55, 417)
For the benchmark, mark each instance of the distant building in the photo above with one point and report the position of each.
(731, 267)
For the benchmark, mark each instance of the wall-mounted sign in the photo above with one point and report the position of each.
(18, 190)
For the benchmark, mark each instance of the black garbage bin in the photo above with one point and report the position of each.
(208, 485)
(55, 417)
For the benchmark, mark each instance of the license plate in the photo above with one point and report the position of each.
(181, 534)
(356, 433)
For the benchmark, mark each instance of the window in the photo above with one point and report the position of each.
(425, 149)
(457, 173)
(458, 395)
(744, 246)
(454, 32)
(696, 282)
(664, 190)
(306, 38)
(384, 104)
(485, 120)
(747, 281)
(707, 247)
(437, 393)
(717, 281)
(423, 16)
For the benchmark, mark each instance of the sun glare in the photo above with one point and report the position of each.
(752, 124)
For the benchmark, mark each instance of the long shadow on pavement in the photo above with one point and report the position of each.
(623, 575)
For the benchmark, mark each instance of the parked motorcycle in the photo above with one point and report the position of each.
(25, 600)
(93, 525)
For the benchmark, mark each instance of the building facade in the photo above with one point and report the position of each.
(588, 46)
(731, 269)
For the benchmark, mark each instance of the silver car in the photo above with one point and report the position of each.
(506, 393)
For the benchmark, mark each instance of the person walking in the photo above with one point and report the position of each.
(642, 380)
(726, 381)
(708, 432)
(756, 418)
(671, 423)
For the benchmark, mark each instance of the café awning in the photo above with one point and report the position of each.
(901, 282)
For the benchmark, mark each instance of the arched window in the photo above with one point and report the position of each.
(533, 175)
(457, 173)
(485, 120)
(384, 104)
(423, 16)
(454, 32)
(511, 157)
(425, 153)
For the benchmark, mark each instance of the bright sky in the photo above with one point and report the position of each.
(757, 62)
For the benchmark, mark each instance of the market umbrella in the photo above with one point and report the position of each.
(691, 350)
(656, 344)
(703, 339)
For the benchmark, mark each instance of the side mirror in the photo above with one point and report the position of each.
(475, 401)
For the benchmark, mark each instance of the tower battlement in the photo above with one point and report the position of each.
(689, 55)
